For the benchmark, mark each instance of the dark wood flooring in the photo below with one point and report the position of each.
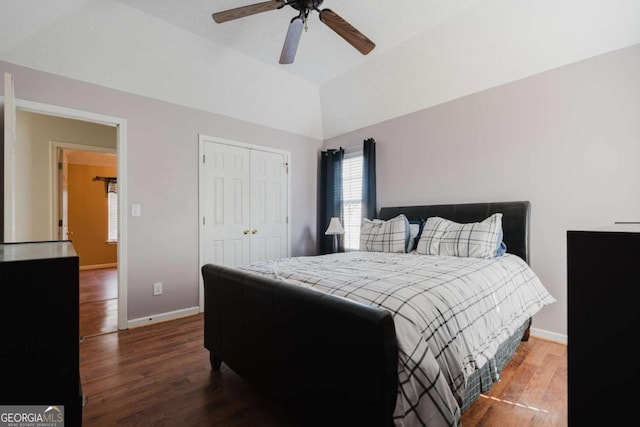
(98, 301)
(159, 375)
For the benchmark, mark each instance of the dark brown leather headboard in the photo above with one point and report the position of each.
(515, 219)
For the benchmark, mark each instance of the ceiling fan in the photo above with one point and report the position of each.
(304, 7)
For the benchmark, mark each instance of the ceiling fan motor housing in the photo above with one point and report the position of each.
(305, 5)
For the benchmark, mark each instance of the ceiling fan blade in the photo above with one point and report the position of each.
(252, 9)
(291, 41)
(347, 31)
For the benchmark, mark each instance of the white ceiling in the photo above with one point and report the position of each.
(427, 52)
(322, 54)
(92, 158)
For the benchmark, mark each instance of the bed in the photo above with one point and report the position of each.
(347, 338)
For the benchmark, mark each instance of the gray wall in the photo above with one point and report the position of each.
(568, 140)
(162, 176)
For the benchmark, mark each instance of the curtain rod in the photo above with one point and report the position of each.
(351, 149)
(105, 178)
(346, 149)
(108, 180)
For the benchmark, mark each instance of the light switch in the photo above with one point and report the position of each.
(136, 210)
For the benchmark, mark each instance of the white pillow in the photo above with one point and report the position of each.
(476, 239)
(384, 236)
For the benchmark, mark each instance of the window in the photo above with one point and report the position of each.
(352, 199)
(112, 212)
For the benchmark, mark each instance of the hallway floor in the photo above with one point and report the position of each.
(98, 301)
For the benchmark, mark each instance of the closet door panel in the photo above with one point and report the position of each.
(227, 200)
(268, 206)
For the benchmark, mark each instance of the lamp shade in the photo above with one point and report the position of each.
(334, 227)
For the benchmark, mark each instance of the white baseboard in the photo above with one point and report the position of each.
(172, 315)
(549, 336)
(98, 266)
(162, 317)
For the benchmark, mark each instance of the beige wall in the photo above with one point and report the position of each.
(162, 165)
(33, 162)
(568, 140)
(88, 217)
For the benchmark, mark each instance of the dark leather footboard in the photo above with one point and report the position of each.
(334, 358)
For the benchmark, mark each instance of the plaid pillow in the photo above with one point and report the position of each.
(384, 236)
(476, 239)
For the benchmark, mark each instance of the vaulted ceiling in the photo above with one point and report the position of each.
(427, 52)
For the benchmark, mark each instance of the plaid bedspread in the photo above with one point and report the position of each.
(450, 314)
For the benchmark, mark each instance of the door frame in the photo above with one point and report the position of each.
(8, 103)
(55, 184)
(121, 149)
(202, 140)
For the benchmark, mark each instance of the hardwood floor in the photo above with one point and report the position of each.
(532, 391)
(98, 301)
(159, 375)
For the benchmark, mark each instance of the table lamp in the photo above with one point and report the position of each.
(335, 228)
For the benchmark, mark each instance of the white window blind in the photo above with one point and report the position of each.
(112, 205)
(352, 199)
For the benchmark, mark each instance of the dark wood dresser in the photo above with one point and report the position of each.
(39, 324)
(603, 279)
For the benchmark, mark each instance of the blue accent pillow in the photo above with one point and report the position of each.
(502, 247)
(415, 235)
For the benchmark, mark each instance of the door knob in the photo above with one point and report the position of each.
(245, 231)
(254, 231)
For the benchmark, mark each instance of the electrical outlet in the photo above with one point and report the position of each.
(157, 288)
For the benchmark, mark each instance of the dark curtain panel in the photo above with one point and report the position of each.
(369, 201)
(330, 191)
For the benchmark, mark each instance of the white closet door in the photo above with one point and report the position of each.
(269, 200)
(245, 204)
(227, 178)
